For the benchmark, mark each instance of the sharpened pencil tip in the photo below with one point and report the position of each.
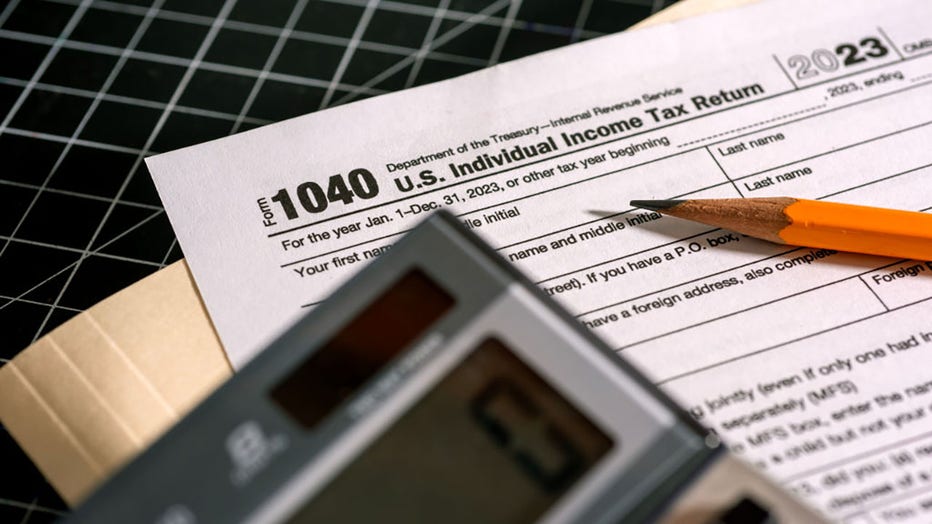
(656, 205)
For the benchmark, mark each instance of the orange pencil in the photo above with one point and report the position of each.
(811, 223)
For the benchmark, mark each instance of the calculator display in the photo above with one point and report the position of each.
(492, 441)
(365, 345)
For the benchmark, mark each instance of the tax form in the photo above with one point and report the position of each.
(811, 364)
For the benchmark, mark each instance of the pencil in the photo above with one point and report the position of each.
(811, 223)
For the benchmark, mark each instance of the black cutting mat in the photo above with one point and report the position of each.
(90, 88)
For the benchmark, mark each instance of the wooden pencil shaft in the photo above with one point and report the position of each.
(760, 218)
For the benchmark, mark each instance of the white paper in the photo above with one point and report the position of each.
(815, 365)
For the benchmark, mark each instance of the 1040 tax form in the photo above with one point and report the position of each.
(810, 363)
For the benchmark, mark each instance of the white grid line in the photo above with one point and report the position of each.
(392, 49)
(168, 252)
(581, 18)
(29, 510)
(63, 139)
(182, 85)
(361, 27)
(313, 82)
(96, 252)
(78, 194)
(20, 240)
(387, 5)
(297, 34)
(269, 62)
(435, 23)
(283, 77)
(440, 40)
(49, 56)
(164, 14)
(38, 303)
(107, 97)
(504, 31)
(465, 16)
(7, 11)
(183, 62)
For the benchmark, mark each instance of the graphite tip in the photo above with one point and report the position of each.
(656, 205)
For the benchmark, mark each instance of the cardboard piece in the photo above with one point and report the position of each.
(87, 397)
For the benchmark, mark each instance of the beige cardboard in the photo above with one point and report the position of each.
(87, 397)
(90, 395)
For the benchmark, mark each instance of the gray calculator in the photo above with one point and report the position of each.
(438, 385)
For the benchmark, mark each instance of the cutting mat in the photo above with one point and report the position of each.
(88, 89)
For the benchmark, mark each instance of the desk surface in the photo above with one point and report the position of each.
(90, 88)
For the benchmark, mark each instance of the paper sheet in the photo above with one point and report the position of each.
(810, 363)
